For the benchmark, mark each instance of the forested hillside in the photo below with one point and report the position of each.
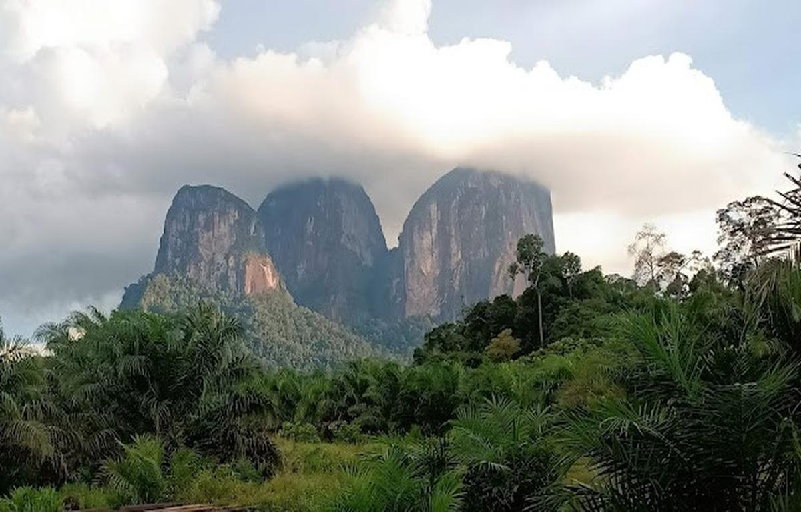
(279, 333)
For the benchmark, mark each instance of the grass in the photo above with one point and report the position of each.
(312, 475)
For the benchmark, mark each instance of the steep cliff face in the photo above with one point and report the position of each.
(214, 239)
(459, 239)
(322, 241)
(326, 240)
(214, 249)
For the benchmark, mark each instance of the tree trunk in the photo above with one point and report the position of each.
(539, 314)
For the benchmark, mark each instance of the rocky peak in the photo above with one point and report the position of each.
(459, 239)
(325, 237)
(214, 239)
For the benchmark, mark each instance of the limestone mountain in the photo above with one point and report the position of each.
(213, 249)
(318, 244)
(459, 239)
(326, 240)
(213, 238)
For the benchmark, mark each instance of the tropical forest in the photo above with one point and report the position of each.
(674, 388)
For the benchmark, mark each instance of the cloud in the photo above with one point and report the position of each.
(84, 63)
(106, 112)
(34, 25)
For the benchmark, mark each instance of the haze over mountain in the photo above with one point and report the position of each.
(319, 244)
(326, 240)
(459, 239)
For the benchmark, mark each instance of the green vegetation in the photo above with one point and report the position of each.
(279, 332)
(587, 392)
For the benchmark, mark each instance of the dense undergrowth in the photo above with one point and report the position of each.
(588, 392)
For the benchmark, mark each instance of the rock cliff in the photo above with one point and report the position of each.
(214, 239)
(459, 239)
(321, 242)
(326, 240)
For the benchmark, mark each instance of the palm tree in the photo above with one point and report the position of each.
(27, 441)
(711, 426)
(183, 378)
(401, 479)
(505, 449)
(785, 235)
(137, 476)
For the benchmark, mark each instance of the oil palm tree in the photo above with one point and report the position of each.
(27, 440)
(183, 378)
(710, 424)
(504, 447)
(401, 479)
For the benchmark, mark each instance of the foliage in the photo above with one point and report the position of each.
(530, 261)
(400, 479)
(138, 477)
(279, 332)
(504, 449)
(711, 425)
(758, 226)
(503, 346)
(27, 439)
(28, 499)
(743, 227)
(300, 432)
(574, 304)
(135, 373)
(585, 392)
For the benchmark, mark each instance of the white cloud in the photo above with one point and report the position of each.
(162, 25)
(84, 63)
(406, 17)
(112, 109)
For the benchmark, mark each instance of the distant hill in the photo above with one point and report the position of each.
(326, 240)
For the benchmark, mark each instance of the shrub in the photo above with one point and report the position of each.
(504, 346)
(185, 464)
(82, 496)
(304, 432)
(28, 499)
(219, 486)
(137, 477)
(402, 479)
(504, 447)
(346, 432)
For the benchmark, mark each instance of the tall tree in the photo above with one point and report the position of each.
(757, 227)
(571, 268)
(530, 259)
(745, 229)
(647, 248)
(672, 273)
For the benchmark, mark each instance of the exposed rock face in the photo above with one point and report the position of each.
(459, 239)
(322, 241)
(214, 239)
(326, 239)
(261, 276)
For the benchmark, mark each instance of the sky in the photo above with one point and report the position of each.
(631, 111)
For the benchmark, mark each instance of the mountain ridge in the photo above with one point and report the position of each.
(325, 238)
(319, 244)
